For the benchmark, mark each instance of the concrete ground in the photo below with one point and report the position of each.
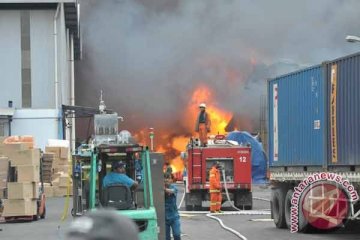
(194, 226)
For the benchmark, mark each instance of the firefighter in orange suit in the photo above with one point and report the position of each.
(203, 124)
(215, 188)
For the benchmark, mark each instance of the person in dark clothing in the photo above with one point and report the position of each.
(172, 217)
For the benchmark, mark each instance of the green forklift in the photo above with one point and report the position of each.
(91, 163)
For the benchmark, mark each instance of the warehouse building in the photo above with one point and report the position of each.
(39, 42)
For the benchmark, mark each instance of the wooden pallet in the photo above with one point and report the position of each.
(14, 219)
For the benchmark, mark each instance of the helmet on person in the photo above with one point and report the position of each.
(202, 105)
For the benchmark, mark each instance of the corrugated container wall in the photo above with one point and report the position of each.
(343, 79)
(297, 135)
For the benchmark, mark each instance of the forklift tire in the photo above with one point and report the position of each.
(44, 214)
(278, 207)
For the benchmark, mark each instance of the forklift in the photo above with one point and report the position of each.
(91, 163)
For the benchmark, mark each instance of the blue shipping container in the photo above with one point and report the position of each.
(297, 128)
(343, 105)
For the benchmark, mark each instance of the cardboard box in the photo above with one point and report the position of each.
(13, 147)
(28, 173)
(56, 181)
(26, 157)
(48, 155)
(10, 150)
(64, 153)
(60, 161)
(2, 193)
(61, 191)
(4, 167)
(55, 150)
(23, 190)
(64, 180)
(62, 168)
(59, 152)
(18, 207)
(48, 190)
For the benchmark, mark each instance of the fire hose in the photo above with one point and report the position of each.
(237, 212)
(209, 215)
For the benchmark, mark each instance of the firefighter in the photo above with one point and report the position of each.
(215, 188)
(203, 124)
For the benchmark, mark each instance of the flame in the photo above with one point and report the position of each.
(179, 143)
(172, 144)
(219, 118)
(177, 165)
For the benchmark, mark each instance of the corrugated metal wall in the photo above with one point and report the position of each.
(343, 77)
(301, 135)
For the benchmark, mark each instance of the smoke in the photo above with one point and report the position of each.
(148, 56)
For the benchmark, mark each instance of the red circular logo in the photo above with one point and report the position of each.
(325, 205)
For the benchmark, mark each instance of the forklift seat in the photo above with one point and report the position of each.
(117, 196)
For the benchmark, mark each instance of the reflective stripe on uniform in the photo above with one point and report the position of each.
(214, 191)
(212, 175)
(213, 204)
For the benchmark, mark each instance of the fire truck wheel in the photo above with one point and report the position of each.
(243, 200)
(288, 207)
(277, 207)
(188, 206)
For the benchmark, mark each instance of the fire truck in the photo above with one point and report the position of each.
(236, 164)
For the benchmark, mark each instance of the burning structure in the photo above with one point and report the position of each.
(157, 59)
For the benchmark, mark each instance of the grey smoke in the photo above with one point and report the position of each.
(149, 55)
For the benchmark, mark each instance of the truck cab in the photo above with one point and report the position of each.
(236, 164)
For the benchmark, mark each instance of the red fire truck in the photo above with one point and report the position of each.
(234, 159)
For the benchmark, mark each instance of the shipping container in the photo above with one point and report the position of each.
(314, 127)
(343, 104)
(314, 115)
(297, 136)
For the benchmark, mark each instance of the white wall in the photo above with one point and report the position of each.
(42, 58)
(10, 58)
(43, 124)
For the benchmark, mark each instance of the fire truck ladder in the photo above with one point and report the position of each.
(197, 164)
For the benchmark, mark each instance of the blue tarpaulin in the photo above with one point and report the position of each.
(258, 157)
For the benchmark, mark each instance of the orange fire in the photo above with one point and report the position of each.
(219, 118)
(172, 144)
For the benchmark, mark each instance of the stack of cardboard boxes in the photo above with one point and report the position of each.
(47, 169)
(60, 179)
(23, 189)
(4, 166)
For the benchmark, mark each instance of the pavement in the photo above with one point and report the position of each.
(193, 225)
